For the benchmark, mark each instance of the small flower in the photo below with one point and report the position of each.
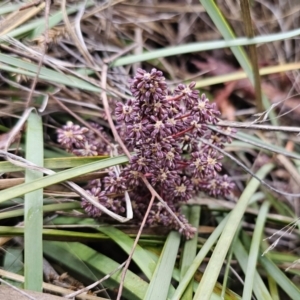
(164, 176)
(212, 162)
(114, 184)
(226, 186)
(206, 112)
(88, 207)
(198, 128)
(182, 189)
(174, 123)
(138, 130)
(133, 177)
(140, 164)
(71, 135)
(197, 165)
(86, 150)
(125, 112)
(159, 127)
(227, 131)
(148, 86)
(189, 95)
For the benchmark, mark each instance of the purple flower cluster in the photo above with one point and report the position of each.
(82, 141)
(166, 130)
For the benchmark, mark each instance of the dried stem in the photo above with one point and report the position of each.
(133, 247)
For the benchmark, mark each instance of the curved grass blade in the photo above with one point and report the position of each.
(260, 290)
(192, 213)
(19, 17)
(280, 278)
(22, 67)
(92, 265)
(140, 256)
(254, 250)
(160, 283)
(203, 46)
(39, 25)
(239, 53)
(60, 177)
(215, 264)
(53, 163)
(5, 9)
(46, 208)
(183, 283)
(33, 209)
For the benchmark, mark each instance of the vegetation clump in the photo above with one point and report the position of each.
(174, 148)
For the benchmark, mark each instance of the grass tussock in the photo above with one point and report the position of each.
(66, 67)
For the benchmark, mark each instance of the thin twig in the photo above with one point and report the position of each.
(154, 194)
(247, 169)
(86, 124)
(249, 125)
(21, 162)
(87, 288)
(133, 247)
(47, 11)
(73, 35)
(16, 289)
(124, 148)
(259, 145)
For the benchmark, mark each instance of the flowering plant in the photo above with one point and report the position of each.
(172, 143)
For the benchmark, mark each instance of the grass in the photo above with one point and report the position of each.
(239, 251)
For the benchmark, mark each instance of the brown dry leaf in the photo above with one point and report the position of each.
(19, 17)
(288, 108)
(10, 294)
(224, 104)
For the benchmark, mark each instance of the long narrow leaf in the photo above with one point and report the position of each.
(204, 46)
(160, 282)
(59, 177)
(92, 265)
(33, 212)
(190, 246)
(215, 264)
(260, 290)
(53, 163)
(254, 250)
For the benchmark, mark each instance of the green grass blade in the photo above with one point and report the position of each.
(183, 283)
(140, 256)
(161, 280)
(57, 17)
(215, 264)
(19, 66)
(254, 250)
(55, 234)
(38, 26)
(46, 208)
(260, 290)
(60, 177)
(217, 17)
(192, 213)
(53, 163)
(215, 14)
(204, 46)
(5, 9)
(92, 265)
(13, 262)
(281, 279)
(33, 211)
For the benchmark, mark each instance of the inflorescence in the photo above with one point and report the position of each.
(167, 132)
